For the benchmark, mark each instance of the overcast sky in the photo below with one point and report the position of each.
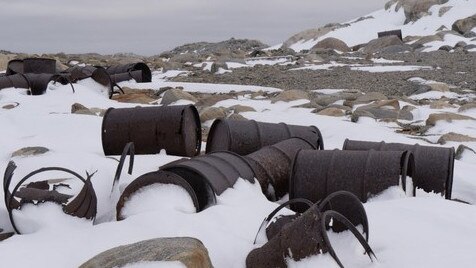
(149, 27)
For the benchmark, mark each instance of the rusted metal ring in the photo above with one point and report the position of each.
(10, 199)
(128, 150)
(326, 217)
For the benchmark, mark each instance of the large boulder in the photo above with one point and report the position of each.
(331, 43)
(414, 9)
(376, 45)
(173, 95)
(455, 137)
(189, 251)
(290, 95)
(448, 117)
(210, 113)
(312, 34)
(465, 25)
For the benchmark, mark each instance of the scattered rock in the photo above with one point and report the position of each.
(440, 104)
(216, 66)
(241, 109)
(331, 43)
(441, 87)
(382, 104)
(443, 10)
(290, 95)
(236, 116)
(173, 95)
(378, 44)
(189, 251)
(446, 48)
(455, 137)
(461, 150)
(10, 106)
(468, 106)
(448, 117)
(4, 236)
(210, 100)
(382, 114)
(331, 112)
(396, 49)
(139, 97)
(211, 113)
(415, 10)
(408, 108)
(369, 97)
(30, 151)
(460, 44)
(465, 25)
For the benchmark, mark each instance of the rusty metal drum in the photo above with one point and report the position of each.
(245, 137)
(176, 129)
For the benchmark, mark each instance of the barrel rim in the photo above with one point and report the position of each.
(198, 132)
(102, 127)
(215, 124)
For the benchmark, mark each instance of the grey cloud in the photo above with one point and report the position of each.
(151, 26)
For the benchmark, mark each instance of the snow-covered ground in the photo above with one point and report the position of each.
(386, 20)
(425, 231)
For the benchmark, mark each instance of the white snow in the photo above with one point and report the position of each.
(404, 232)
(384, 20)
(391, 68)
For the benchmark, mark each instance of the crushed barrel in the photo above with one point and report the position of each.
(272, 165)
(139, 71)
(433, 165)
(317, 174)
(36, 83)
(210, 175)
(246, 136)
(31, 65)
(98, 74)
(157, 177)
(176, 129)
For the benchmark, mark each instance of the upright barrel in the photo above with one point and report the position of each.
(434, 166)
(246, 136)
(176, 129)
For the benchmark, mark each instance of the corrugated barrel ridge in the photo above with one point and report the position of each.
(246, 136)
(433, 165)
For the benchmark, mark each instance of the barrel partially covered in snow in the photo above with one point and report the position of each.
(245, 137)
(210, 175)
(433, 165)
(173, 128)
(139, 71)
(317, 174)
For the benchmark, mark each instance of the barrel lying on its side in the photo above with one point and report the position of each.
(245, 137)
(31, 65)
(317, 174)
(176, 129)
(36, 83)
(161, 177)
(272, 165)
(210, 175)
(433, 165)
(98, 74)
(139, 71)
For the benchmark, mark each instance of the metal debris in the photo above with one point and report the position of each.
(84, 205)
(176, 129)
(128, 150)
(317, 174)
(163, 177)
(304, 236)
(433, 165)
(246, 136)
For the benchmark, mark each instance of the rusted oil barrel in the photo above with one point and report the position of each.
(433, 165)
(98, 74)
(157, 177)
(31, 66)
(14, 67)
(245, 137)
(16, 81)
(36, 83)
(173, 128)
(210, 175)
(39, 66)
(317, 174)
(139, 71)
(272, 165)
